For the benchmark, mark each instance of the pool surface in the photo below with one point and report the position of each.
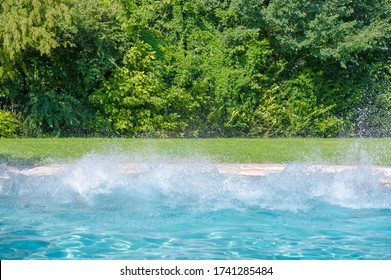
(93, 210)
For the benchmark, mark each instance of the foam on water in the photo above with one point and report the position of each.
(99, 208)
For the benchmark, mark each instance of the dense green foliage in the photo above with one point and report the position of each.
(8, 124)
(181, 68)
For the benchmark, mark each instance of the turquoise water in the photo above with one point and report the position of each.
(94, 211)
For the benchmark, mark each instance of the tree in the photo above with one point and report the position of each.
(348, 43)
(31, 25)
(195, 68)
(337, 30)
(131, 100)
(63, 51)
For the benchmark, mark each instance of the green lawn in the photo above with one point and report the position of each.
(35, 151)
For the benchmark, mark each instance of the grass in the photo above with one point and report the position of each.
(232, 150)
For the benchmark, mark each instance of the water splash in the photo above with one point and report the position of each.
(103, 181)
(115, 207)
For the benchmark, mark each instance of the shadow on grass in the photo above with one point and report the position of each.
(18, 161)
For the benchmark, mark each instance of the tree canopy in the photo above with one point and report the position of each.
(195, 68)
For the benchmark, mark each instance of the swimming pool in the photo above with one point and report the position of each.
(94, 210)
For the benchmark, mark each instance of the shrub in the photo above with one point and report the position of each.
(8, 124)
(294, 109)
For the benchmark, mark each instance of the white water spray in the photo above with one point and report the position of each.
(200, 186)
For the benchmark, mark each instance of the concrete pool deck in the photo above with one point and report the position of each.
(242, 169)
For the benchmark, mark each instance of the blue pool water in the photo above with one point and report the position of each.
(95, 211)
